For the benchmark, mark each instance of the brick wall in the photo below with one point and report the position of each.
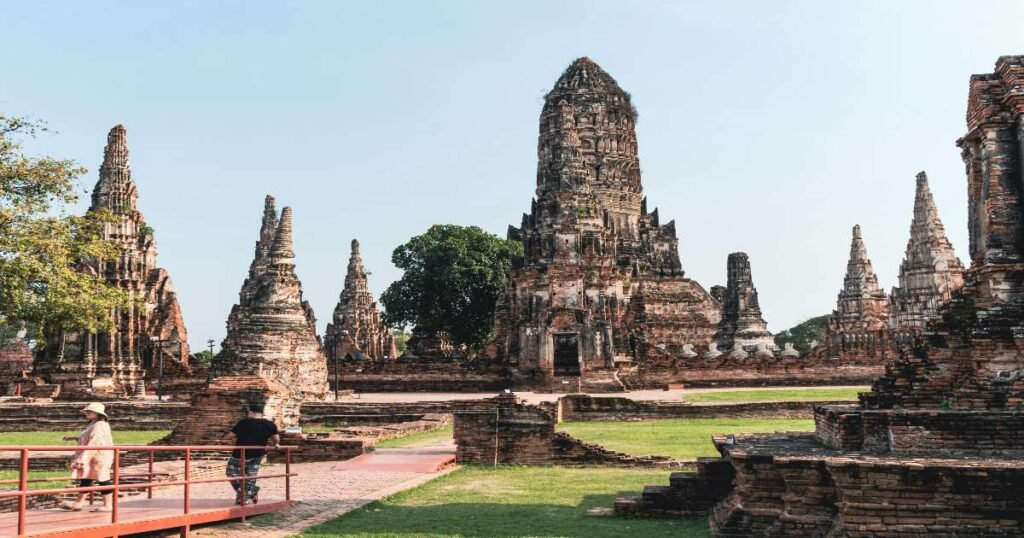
(421, 375)
(504, 430)
(584, 407)
(63, 416)
(909, 431)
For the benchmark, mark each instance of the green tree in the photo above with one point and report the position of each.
(802, 334)
(452, 278)
(42, 247)
(401, 340)
(204, 357)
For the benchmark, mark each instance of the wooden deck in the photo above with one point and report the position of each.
(134, 516)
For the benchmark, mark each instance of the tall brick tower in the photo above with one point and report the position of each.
(109, 363)
(357, 327)
(930, 271)
(600, 283)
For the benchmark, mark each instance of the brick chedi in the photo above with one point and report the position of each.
(741, 323)
(109, 363)
(15, 355)
(601, 277)
(857, 328)
(357, 328)
(930, 271)
(937, 447)
(269, 333)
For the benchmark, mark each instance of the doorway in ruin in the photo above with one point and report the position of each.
(567, 354)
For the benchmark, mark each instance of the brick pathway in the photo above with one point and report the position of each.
(323, 491)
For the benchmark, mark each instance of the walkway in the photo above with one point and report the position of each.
(326, 490)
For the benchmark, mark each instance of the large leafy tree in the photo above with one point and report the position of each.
(42, 247)
(452, 278)
(804, 333)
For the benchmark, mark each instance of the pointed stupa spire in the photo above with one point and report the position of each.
(115, 191)
(269, 225)
(356, 327)
(861, 299)
(860, 275)
(355, 278)
(282, 250)
(115, 154)
(930, 271)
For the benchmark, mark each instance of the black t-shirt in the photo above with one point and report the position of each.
(253, 432)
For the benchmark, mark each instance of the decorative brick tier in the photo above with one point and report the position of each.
(584, 407)
(916, 430)
(61, 416)
(421, 375)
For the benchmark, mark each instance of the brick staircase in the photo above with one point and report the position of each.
(688, 493)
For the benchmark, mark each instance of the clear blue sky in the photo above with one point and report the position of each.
(766, 127)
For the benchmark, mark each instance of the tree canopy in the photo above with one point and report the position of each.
(802, 334)
(453, 276)
(42, 247)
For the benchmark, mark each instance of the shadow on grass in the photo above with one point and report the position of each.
(495, 520)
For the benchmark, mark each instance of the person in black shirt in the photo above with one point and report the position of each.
(253, 430)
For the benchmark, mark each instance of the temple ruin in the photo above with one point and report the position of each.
(742, 324)
(930, 271)
(109, 363)
(15, 355)
(357, 330)
(601, 274)
(934, 448)
(270, 332)
(859, 325)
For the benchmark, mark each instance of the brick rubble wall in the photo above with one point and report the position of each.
(584, 407)
(62, 416)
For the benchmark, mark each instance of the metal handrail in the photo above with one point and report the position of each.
(23, 493)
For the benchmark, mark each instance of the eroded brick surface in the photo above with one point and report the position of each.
(109, 363)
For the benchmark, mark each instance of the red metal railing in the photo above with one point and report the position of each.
(23, 493)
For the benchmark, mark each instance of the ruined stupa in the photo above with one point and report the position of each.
(357, 330)
(268, 332)
(600, 282)
(858, 326)
(109, 363)
(741, 323)
(930, 271)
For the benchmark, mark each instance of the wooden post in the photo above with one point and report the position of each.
(23, 487)
(287, 474)
(149, 490)
(188, 490)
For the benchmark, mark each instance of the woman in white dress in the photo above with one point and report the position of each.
(92, 467)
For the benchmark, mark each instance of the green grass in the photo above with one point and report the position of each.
(499, 502)
(683, 439)
(424, 438)
(776, 395)
(13, 475)
(121, 437)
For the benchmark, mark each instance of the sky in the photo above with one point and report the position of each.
(764, 127)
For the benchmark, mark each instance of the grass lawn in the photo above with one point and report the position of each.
(121, 437)
(776, 395)
(683, 439)
(13, 475)
(509, 501)
(425, 438)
